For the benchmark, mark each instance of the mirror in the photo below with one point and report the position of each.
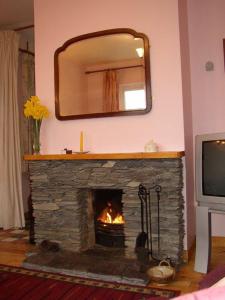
(102, 74)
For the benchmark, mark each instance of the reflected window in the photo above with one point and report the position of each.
(134, 99)
(133, 96)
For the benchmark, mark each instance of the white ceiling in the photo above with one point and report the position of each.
(16, 13)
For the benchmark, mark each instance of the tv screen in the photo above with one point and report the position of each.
(213, 168)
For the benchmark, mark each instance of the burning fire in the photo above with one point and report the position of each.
(110, 216)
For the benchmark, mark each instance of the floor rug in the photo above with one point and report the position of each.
(19, 283)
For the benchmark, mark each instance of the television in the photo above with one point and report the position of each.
(210, 170)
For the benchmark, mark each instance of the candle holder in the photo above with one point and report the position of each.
(81, 152)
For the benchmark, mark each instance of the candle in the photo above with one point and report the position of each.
(81, 142)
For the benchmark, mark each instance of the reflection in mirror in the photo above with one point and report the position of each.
(103, 74)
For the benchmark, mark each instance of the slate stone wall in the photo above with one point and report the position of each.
(62, 200)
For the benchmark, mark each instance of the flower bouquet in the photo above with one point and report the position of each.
(36, 112)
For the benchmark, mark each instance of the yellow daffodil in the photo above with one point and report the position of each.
(34, 109)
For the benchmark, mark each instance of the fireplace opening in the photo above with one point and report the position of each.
(109, 219)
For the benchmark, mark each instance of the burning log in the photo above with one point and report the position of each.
(110, 215)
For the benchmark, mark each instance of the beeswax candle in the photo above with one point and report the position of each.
(81, 142)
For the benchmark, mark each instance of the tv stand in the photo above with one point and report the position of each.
(203, 237)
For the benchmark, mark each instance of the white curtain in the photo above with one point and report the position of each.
(11, 204)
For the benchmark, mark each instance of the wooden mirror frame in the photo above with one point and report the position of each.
(105, 114)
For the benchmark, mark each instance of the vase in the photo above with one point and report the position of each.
(36, 126)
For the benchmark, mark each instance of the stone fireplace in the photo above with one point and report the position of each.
(71, 193)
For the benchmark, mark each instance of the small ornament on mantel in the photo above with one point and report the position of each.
(151, 146)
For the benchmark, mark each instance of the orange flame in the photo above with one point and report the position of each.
(106, 216)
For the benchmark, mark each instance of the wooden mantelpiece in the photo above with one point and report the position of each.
(91, 156)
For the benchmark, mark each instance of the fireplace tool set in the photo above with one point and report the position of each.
(163, 272)
(144, 241)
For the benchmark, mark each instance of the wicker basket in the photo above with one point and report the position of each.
(163, 273)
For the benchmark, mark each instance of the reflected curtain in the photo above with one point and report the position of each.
(11, 204)
(111, 94)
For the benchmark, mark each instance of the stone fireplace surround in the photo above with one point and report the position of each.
(62, 190)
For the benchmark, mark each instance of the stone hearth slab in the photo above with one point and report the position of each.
(96, 263)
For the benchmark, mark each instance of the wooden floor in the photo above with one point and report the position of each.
(14, 245)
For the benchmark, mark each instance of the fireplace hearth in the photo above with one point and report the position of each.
(99, 262)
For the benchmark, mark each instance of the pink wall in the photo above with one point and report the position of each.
(57, 21)
(206, 31)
